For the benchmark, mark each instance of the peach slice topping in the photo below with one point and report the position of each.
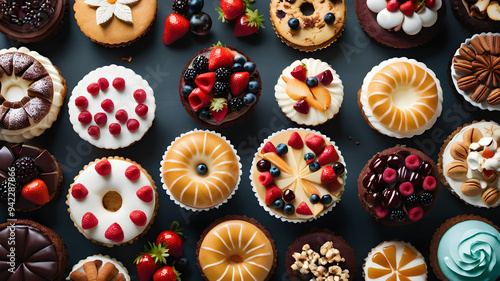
(318, 97)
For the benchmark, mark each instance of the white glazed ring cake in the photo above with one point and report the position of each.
(31, 95)
(99, 267)
(113, 201)
(112, 107)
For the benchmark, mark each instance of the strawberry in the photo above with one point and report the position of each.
(315, 142)
(303, 209)
(139, 218)
(145, 193)
(248, 23)
(176, 26)
(148, 262)
(114, 233)
(328, 175)
(230, 9)
(295, 141)
(265, 178)
(79, 191)
(407, 8)
(89, 221)
(218, 108)
(325, 77)
(300, 72)
(103, 167)
(205, 81)
(392, 6)
(328, 155)
(220, 57)
(132, 173)
(269, 147)
(301, 106)
(272, 193)
(171, 239)
(430, 3)
(238, 82)
(198, 99)
(36, 191)
(167, 273)
(335, 185)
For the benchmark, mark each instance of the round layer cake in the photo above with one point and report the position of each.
(31, 95)
(39, 253)
(99, 267)
(401, 24)
(30, 176)
(473, 73)
(395, 260)
(31, 21)
(113, 201)
(399, 186)
(112, 107)
(115, 23)
(298, 175)
(219, 87)
(200, 170)
(320, 254)
(477, 15)
(308, 25)
(466, 247)
(236, 248)
(309, 92)
(469, 162)
(400, 98)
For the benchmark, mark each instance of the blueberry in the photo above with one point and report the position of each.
(275, 172)
(249, 99)
(240, 59)
(314, 198)
(237, 67)
(249, 67)
(294, 23)
(314, 166)
(289, 209)
(312, 82)
(326, 199)
(186, 90)
(253, 86)
(182, 264)
(278, 204)
(204, 113)
(196, 5)
(201, 169)
(200, 23)
(329, 18)
(282, 149)
(309, 156)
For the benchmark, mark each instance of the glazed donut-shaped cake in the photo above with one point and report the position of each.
(401, 98)
(236, 250)
(200, 170)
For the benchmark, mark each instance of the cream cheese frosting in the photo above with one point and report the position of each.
(105, 259)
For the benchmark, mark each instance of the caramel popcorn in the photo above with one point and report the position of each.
(320, 264)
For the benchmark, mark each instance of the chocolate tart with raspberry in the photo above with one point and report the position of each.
(30, 176)
(219, 87)
(476, 15)
(40, 254)
(399, 186)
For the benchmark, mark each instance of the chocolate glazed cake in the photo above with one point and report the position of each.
(472, 18)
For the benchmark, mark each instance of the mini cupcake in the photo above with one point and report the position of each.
(477, 15)
(473, 73)
(466, 247)
(399, 186)
(30, 176)
(400, 98)
(310, 32)
(469, 163)
(309, 92)
(113, 201)
(220, 87)
(395, 260)
(401, 24)
(298, 175)
(236, 247)
(200, 170)
(112, 107)
(32, 21)
(33, 92)
(99, 267)
(320, 255)
(46, 259)
(115, 23)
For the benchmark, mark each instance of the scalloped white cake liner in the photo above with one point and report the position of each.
(105, 258)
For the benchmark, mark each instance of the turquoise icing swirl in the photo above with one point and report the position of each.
(470, 250)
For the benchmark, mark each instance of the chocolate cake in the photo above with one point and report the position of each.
(472, 18)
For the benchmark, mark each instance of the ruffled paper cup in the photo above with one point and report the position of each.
(105, 259)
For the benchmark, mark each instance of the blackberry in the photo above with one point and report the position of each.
(180, 6)
(397, 215)
(223, 74)
(200, 64)
(426, 199)
(221, 89)
(4, 191)
(412, 199)
(189, 76)
(25, 169)
(235, 105)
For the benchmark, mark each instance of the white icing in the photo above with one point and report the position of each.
(122, 100)
(390, 20)
(476, 161)
(376, 5)
(412, 24)
(97, 187)
(105, 259)
(314, 117)
(107, 8)
(376, 123)
(59, 89)
(455, 75)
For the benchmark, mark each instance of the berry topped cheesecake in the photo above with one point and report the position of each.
(219, 87)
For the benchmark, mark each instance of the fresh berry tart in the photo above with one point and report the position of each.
(99, 267)
(298, 175)
(401, 24)
(219, 87)
(469, 163)
(31, 21)
(475, 71)
(113, 201)
(32, 93)
(477, 15)
(309, 92)
(112, 107)
(30, 176)
(399, 186)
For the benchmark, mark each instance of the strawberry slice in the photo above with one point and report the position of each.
(36, 191)
(325, 77)
(238, 82)
(176, 26)
(205, 81)
(328, 175)
(269, 147)
(295, 141)
(198, 99)
(303, 209)
(218, 108)
(272, 193)
(220, 57)
(335, 185)
(248, 23)
(300, 72)
(315, 142)
(328, 155)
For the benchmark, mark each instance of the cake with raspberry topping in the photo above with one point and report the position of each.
(220, 86)
(112, 107)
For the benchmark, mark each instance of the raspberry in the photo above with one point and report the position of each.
(235, 104)
(103, 167)
(100, 119)
(79, 191)
(85, 117)
(107, 105)
(200, 64)
(4, 190)
(114, 233)
(221, 89)
(397, 215)
(132, 125)
(265, 178)
(115, 129)
(25, 169)
(103, 83)
(426, 199)
(145, 193)
(189, 76)
(223, 74)
(81, 102)
(132, 173)
(141, 110)
(119, 83)
(94, 131)
(89, 221)
(93, 89)
(121, 115)
(140, 95)
(139, 218)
